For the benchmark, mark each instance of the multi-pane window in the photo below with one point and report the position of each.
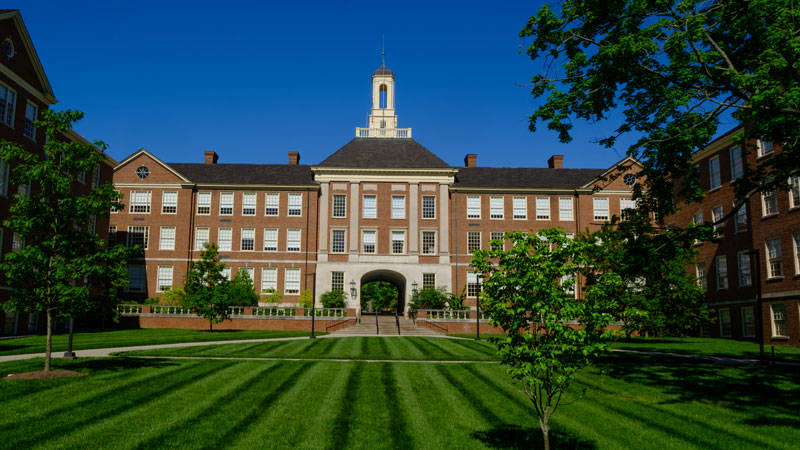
(473, 207)
(748, 322)
(226, 273)
(725, 322)
(737, 165)
(96, 177)
(520, 206)
(542, 208)
(428, 242)
(272, 203)
(200, 238)
(797, 252)
(496, 210)
(716, 216)
(225, 239)
(136, 278)
(269, 279)
(740, 219)
(722, 272)
(780, 323)
(169, 202)
(271, 239)
(428, 207)
(29, 130)
(339, 205)
(473, 240)
(369, 208)
(250, 271)
(428, 281)
(337, 281)
(626, 207)
(248, 239)
(167, 238)
(714, 175)
(398, 242)
(5, 170)
(701, 275)
(17, 242)
(7, 101)
(398, 207)
(745, 276)
(368, 241)
(473, 284)
(203, 203)
(291, 284)
(568, 281)
(295, 204)
(226, 203)
(337, 241)
(293, 240)
(112, 235)
(769, 202)
(764, 148)
(497, 236)
(138, 236)
(600, 208)
(164, 280)
(794, 191)
(140, 202)
(81, 177)
(249, 204)
(774, 262)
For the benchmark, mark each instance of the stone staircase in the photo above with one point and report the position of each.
(387, 326)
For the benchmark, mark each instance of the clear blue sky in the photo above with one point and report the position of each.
(255, 80)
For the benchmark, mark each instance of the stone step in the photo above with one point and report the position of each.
(387, 326)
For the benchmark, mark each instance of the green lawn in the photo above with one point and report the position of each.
(138, 403)
(86, 339)
(708, 347)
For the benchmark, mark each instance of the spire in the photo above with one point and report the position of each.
(383, 50)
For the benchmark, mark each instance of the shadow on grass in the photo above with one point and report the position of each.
(116, 364)
(8, 348)
(513, 437)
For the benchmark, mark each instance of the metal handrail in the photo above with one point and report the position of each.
(397, 320)
(335, 325)
(439, 327)
(377, 328)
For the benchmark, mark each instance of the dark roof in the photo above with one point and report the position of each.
(383, 70)
(524, 178)
(277, 174)
(387, 153)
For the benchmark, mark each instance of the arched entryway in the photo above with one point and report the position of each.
(392, 277)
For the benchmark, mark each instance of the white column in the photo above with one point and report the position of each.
(444, 224)
(323, 221)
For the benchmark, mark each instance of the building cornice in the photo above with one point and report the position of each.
(317, 170)
(718, 144)
(520, 190)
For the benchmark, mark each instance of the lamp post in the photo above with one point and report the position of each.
(760, 329)
(69, 354)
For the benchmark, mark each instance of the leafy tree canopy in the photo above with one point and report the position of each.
(207, 287)
(430, 298)
(382, 294)
(333, 299)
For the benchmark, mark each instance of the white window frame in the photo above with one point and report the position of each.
(431, 249)
(764, 148)
(796, 245)
(81, 176)
(270, 237)
(199, 241)
(794, 191)
(204, 203)
(473, 284)
(5, 172)
(497, 207)
(722, 331)
(519, 207)
(8, 103)
(428, 281)
(473, 207)
(294, 207)
(139, 276)
(542, 208)
(249, 203)
(374, 243)
(744, 323)
(716, 214)
(737, 162)
(700, 273)
(774, 259)
(29, 129)
(337, 280)
(398, 207)
(291, 283)
(140, 202)
(269, 279)
(721, 272)
(497, 236)
(769, 203)
(226, 203)
(96, 177)
(740, 219)
(714, 173)
(598, 208)
(168, 206)
(566, 209)
(625, 204)
(166, 238)
(429, 211)
(225, 239)
(342, 232)
(393, 234)
(226, 272)
(272, 204)
(340, 210)
(745, 271)
(369, 206)
(163, 274)
(145, 238)
(473, 241)
(783, 316)
(294, 244)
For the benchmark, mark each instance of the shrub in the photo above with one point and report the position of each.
(429, 298)
(333, 299)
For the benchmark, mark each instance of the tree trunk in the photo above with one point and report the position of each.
(210, 325)
(49, 344)
(544, 421)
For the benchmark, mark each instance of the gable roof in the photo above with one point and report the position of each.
(385, 154)
(143, 151)
(47, 90)
(246, 174)
(524, 178)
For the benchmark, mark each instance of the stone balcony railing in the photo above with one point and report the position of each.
(242, 312)
(383, 132)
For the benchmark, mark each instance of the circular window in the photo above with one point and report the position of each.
(629, 179)
(8, 48)
(142, 172)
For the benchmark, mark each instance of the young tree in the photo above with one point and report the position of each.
(240, 290)
(206, 287)
(62, 254)
(528, 292)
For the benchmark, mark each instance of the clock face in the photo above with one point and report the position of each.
(629, 179)
(142, 172)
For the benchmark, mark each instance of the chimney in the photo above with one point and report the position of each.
(294, 158)
(211, 157)
(471, 160)
(556, 162)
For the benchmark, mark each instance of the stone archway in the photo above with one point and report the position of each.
(389, 276)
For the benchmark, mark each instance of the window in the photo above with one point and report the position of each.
(112, 235)
(169, 202)
(269, 279)
(714, 177)
(600, 208)
(398, 207)
(398, 242)
(29, 130)
(200, 238)
(725, 322)
(292, 283)
(748, 322)
(17, 242)
(337, 241)
(716, 216)
(542, 208)
(428, 207)
(250, 271)
(569, 282)
(473, 240)
(138, 236)
(225, 239)
(226, 273)
(337, 281)
(295, 204)
(136, 279)
(737, 165)
(5, 170)
(272, 203)
(473, 207)
(740, 220)
(797, 252)
(775, 265)
(496, 210)
(81, 177)
(7, 102)
(368, 241)
(745, 276)
(497, 236)
(167, 238)
(764, 148)
(722, 272)
(520, 206)
(697, 218)
(203, 203)
(428, 281)
(226, 203)
(769, 202)
(271, 239)
(473, 284)
(293, 240)
(794, 191)
(164, 282)
(428, 242)
(626, 207)
(96, 177)
(140, 202)
(780, 324)
(369, 209)
(339, 205)
(249, 204)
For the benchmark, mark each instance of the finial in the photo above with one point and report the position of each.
(383, 50)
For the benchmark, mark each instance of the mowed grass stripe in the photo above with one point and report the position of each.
(341, 426)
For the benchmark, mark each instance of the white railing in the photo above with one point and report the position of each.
(129, 310)
(383, 132)
(447, 314)
(274, 311)
(234, 311)
(171, 310)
